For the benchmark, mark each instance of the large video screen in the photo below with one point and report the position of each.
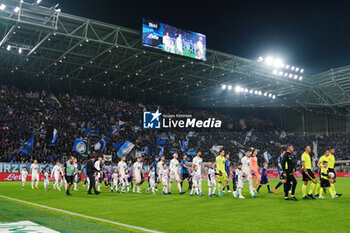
(173, 40)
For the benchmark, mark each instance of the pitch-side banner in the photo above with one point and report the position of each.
(18, 167)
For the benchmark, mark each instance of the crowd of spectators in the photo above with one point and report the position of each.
(24, 113)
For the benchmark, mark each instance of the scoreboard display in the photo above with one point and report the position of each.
(173, 40)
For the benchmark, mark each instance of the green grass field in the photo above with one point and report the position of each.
(178, 213)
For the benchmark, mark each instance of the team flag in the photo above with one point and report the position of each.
(27, 146)
(80, 146)
(54, 137)
(215, 149)
(101, 145)
(125, 149)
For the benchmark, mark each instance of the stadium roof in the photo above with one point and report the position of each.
(42, 43)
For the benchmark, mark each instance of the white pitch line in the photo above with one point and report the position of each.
(82, 215)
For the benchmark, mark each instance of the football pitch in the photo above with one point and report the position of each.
(176, 213)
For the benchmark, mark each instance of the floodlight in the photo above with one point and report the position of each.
(8, 47)
(265, 94)
(16, 9)
(280, 73)
(270, 94)
(273, 97)
(38, 1)
(246, 90)
(260, 59)
(237, 89)
(287, 67)
(302, 71)
(285, 74)
(259, 93)
(277, 63)
(251, 91)
(297, 69)
(255, 92)
(292, 68)
(2, 7)
(269, 60)
(20, 50)
(301, 78)
(229, 87)
(290, 75)
(223, 87)
(275, 72)
(295, 76)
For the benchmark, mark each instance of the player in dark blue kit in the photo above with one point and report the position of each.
(234, 178)
(131, 179)
(227, 169)
(264, 179)
(185, 172)
(279, 167)
(108, 177)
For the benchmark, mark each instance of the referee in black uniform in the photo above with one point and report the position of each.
(288, 167)
(90, 170)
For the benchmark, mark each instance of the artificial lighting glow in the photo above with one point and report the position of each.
(273, 97)
(251, 91)
(265, 94)
(255, 92)
(229, 87)
(295, 76)
(285, 74)
(260, 59)
(302, 71)
(290, 76)
(269, 60)
(16, 9)
(238, 89)
(301, 78)
(8, 47)
(246, 90)
(277, 63)
(274, 72)
(270, 94)
(259, 93)
(292, 68)
(2, 7)
(297, 69)
(38, 1)
(287, 67)
(20, 50)
(280, 73)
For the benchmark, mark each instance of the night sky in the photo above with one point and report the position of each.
(313, 34)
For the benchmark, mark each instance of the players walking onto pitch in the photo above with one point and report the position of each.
(288, 168)
(307, 174)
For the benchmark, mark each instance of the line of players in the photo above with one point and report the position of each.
(247, 170)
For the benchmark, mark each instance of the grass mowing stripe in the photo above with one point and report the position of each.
(81, 215)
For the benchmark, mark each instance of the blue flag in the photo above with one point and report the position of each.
(80, 146)
(117, 145)
(27, 147)
(125, 149)
(101, 145)
(54, 137)
(147, 150)
(161, 153)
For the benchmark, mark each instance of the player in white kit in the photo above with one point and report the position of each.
(56, 171)
(164, 174)
(198, 161)
(179, 49)
(34, 169)
(115, 180)
(46, 178)
(152, 180)
(98, 166)
(159, 167)
(166, 42)
(24, 174)
(195, 179)
(137, 169)
(240, 182)
(76, 175)
(246, 172)
(175, 174)
(211, 180)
